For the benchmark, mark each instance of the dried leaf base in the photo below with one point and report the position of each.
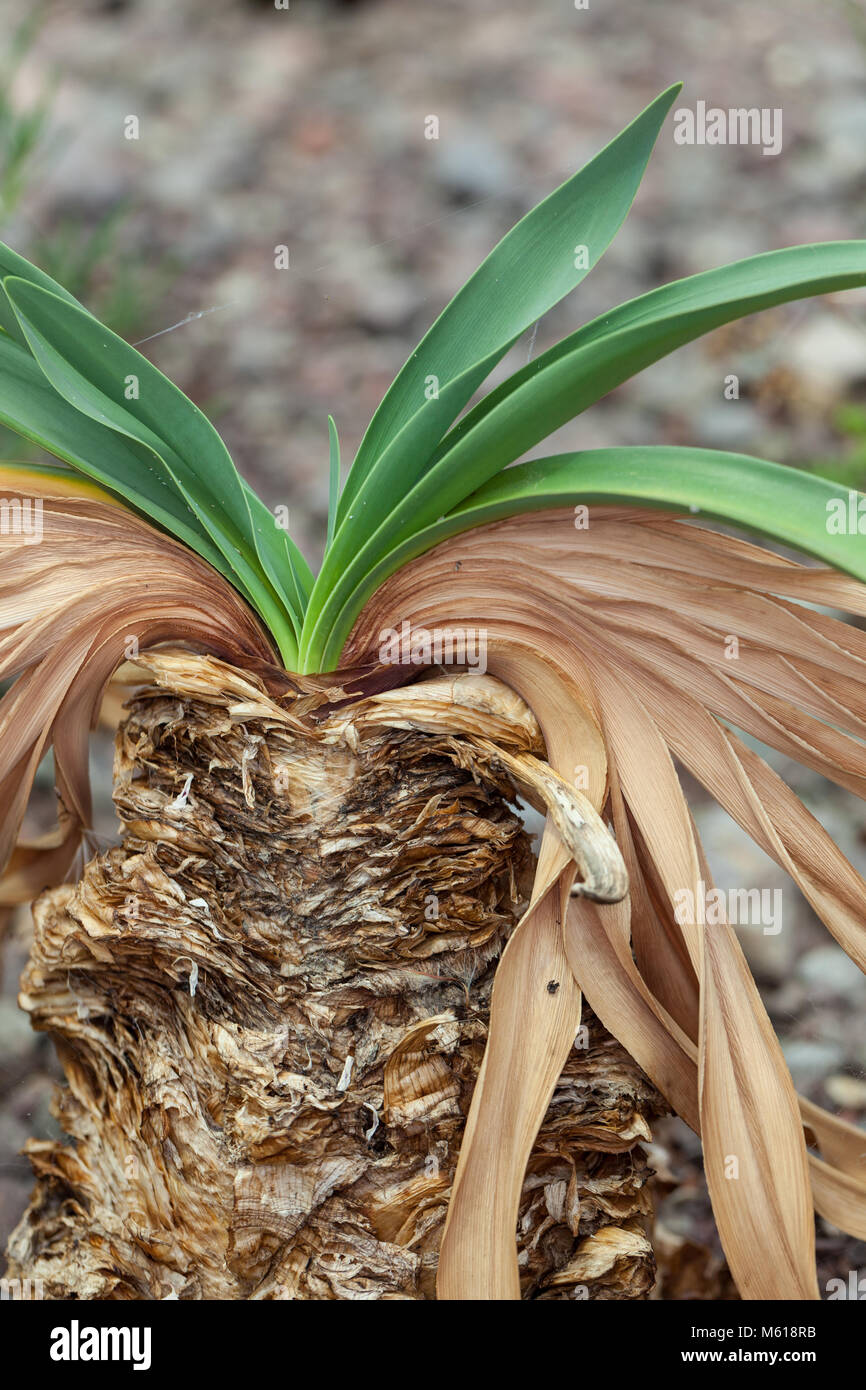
(271, 1004)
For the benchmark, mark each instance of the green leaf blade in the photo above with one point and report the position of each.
(91, 368)
(571, 376)
(534, 266)
(767, 499)
(610, 349)
(30, 407)
(11, 264)
(333, 477)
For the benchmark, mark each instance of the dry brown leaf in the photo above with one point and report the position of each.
(71, 608)
(635, 613)
(615, 639)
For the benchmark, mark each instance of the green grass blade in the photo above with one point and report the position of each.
(531, 269)
(768, 499)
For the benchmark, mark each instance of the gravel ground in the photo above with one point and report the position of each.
(305, 128)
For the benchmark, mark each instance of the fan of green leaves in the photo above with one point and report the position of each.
(83, 394)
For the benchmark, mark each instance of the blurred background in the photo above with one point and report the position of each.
(257, 127)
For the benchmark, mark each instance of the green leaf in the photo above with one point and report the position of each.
(13, 264)
(92, 369)
(534, 266)
(281, 558)
(575, 373)
(768, 499)
(584, 366)
(530, 270)
(303, 576)
(33, 409)
(333, 476)
(273, 556)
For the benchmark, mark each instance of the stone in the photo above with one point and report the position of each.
(829, 973)
(810, 1060)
